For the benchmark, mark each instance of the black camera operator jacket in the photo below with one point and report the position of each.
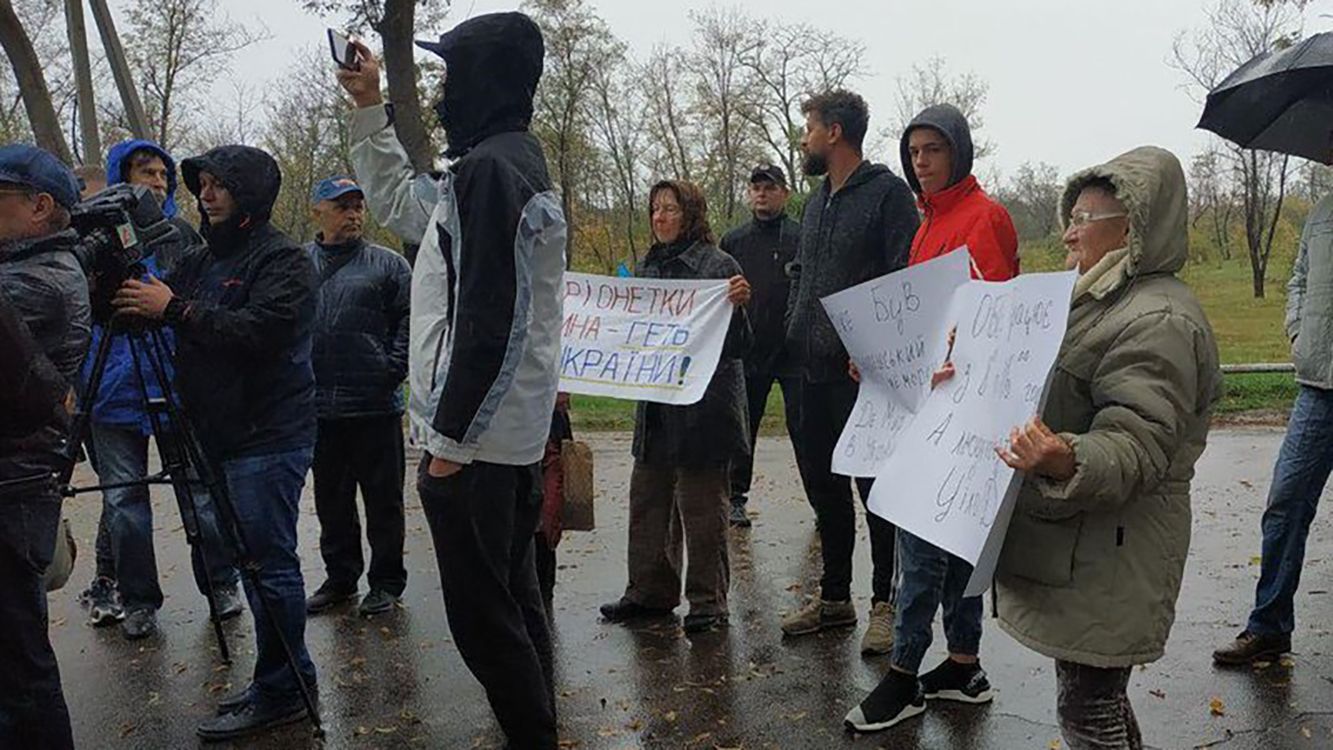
(45, 281)
(243, 341)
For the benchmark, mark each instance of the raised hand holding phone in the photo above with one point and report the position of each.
(362, 84)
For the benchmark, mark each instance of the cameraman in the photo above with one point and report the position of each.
(126, 583)
(242, 309)
(42, 275)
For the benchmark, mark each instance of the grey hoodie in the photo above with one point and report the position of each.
(950, 123)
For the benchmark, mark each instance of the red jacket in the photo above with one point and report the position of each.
(965, 215)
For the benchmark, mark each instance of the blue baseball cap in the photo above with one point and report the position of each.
(39, 170)
(333, 187)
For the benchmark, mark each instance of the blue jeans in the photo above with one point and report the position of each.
(121, 455)
(266, 492)
(932, 577)
(1303, 466)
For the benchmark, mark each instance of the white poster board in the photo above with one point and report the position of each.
(642, 339)
(944, 482)
(894, 330)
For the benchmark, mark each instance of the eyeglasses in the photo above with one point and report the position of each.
(1083, 218)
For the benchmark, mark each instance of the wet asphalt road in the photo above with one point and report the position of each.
(397, 681)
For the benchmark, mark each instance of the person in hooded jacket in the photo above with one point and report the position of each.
(360, 360)
(43, 277)
(126, 582)
(242, 308)
(858, 225)
(1095, 551)
(936, 152)
(485, 339)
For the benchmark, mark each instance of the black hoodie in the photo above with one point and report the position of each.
(243, 314)
(859, 233)
(950, 123)
(493, 63)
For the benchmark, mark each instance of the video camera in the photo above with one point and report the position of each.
(119, 227)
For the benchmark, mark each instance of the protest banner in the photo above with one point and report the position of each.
(894, 331)
(642, 339)
(944, 482)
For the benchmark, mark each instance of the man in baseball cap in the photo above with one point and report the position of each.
(41, 274)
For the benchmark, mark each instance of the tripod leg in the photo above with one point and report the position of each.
(175, 466)
(230, 523)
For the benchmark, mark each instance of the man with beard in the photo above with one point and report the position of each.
(858, 225)
(485, 337)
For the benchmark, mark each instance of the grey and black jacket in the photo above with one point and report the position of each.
(486, 296)
(715, 430)
(45, 282)
(859, 233)
(361, 325)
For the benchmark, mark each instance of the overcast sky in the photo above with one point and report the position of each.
(1071, 83)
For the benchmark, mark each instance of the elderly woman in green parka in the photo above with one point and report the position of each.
(1095, 552)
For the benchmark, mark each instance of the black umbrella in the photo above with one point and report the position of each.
(1279, 101)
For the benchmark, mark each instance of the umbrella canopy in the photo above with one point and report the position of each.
(1279, 101)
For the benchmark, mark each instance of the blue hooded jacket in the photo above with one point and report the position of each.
(119, 401)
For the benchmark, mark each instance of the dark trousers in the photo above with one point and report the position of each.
(1093, 707)
(757, 388)
(365, 452)
(822, 412)
(674, 511)
(32, 707)
(482, 522)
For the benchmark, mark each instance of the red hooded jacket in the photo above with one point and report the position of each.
(965, 215)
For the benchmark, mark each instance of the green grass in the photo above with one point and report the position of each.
(1247, 330)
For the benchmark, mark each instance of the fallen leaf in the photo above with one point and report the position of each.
(669, 716)
(1055, 745)
(1305, 732)
(1158, 694)
(1216, 707)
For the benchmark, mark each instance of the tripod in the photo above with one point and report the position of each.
(183, 464)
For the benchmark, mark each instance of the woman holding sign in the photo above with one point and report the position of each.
(682, 454)
(1096, 548)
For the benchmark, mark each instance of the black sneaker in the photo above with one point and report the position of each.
(327, 597)
(231, 703)
(140, 623)
(376, 602)
(954, 681)
(229, 600)
(896, 698)
(1251, 647)
(738, 517)
(250, 718)
(104, 607)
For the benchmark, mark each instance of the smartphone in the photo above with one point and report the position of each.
(344, 54)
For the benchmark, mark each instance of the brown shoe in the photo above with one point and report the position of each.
(819, 615)
(1251, 647)
(878, 639)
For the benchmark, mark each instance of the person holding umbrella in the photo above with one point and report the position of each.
(1284, 102)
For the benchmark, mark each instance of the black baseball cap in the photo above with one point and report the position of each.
(770, 172)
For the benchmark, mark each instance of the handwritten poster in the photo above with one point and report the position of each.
(944, 483)
(642, 339)
(895, 330)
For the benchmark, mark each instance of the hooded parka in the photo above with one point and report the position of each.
(1091, 567)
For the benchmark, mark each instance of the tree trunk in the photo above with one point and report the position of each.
(120, 69)
(32, 83)
(400, 71)
(83, 81)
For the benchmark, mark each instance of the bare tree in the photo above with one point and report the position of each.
(930, 83)
(786, 64)
(1236, 32)
(669, 122)
(178, 48)
(723, 94)
(1211, 200)
(616, 105)
(1032, 196)
(31, 82)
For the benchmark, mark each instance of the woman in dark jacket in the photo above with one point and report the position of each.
(682, 454)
